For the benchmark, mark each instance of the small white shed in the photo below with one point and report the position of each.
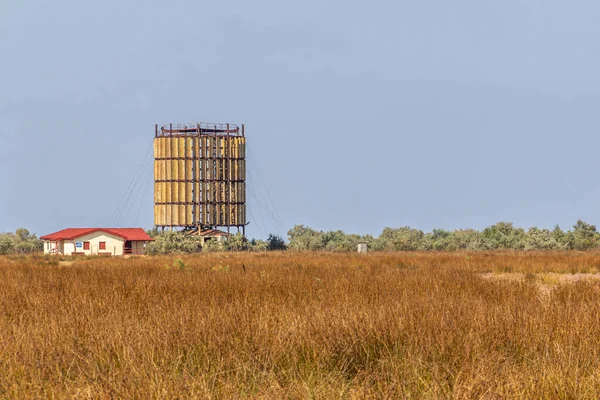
(362, 248)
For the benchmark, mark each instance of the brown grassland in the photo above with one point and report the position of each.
(294, 325)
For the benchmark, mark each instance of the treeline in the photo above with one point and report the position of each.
(179, 242)
(500, 236)
(20, 242)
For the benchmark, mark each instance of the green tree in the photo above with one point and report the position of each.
(440, 240)
(399, 239)
(213, 246)
(301, 238)
(7, 243)
(275, 242)
(339, 241)
(504, 235)
(237, 242)
(541, 239)
(26, 242)
(583, 237)
(153, 233)
(468, 239)
(259, 245)
(560, 237)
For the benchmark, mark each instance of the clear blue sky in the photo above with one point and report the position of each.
(359, 115)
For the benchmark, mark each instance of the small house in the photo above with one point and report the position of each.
(209, 234)
(101, 241)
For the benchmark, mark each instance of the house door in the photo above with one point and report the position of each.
(127, 247)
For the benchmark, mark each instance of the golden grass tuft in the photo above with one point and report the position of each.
(289, 325)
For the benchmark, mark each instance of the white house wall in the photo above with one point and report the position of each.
(68, 247)
(53, 247)
(114, 245)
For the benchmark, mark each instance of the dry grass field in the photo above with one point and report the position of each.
(289, 325)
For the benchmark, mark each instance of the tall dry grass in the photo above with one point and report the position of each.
(291, 325)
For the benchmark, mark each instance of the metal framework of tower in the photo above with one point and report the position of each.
(200, 176)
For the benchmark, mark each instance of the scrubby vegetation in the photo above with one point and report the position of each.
(501, 236)
(20, 242)
(178, 242)
(302, 325)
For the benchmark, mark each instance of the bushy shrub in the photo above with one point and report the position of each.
(7, 243)
(173, 242)
(275, 242)
(302, 238)
(20, 242)
(583, 236)
(259, 245)
(213, 246)
(504, 235)
(237, 242)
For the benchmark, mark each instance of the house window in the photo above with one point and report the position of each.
(86, 245)
(102, 245)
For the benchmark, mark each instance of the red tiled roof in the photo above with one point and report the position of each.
(125, 233)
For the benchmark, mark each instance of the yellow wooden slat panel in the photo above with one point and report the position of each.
(175, 192)
(190, 147)
(168, 192)
(173, 146)
(182, 184)
(174, 215)
(188, 192)
(188, 170)
(167, 211)
(180, 170)
(167, 173)
(180, 215)
(157, 147)
(164, 170)
(181, 147)
(188, 215)
(174, 170)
